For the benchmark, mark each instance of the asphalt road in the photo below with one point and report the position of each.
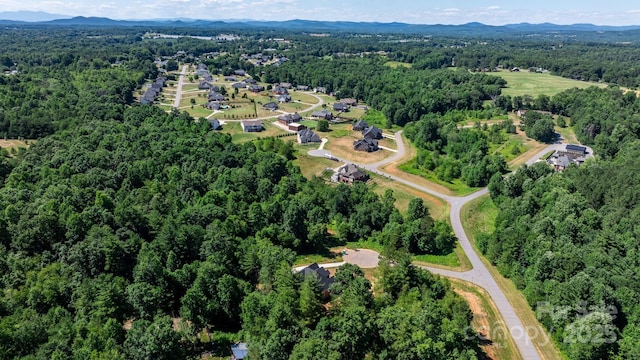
(479, 275)
(176, 102)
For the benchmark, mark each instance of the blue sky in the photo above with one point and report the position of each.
(497, 12)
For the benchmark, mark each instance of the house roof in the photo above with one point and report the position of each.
(215, 124)
(270, 105)
(576, 148)
(321, 113)
(239, 350)
(322, 274)
(246, 123)
(370, 144)
(351, 170)
(372, 132)
(307, 136)
(290, 117)
(340, 106)
(283, 98)
(360, 125)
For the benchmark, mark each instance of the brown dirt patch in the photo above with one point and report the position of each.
(480, 322)
(343, 148)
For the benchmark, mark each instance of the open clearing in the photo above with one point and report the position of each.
(524, 82)
(10, 144)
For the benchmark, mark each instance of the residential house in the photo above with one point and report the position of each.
(239, 351)
(204, 85)
(255, 88)
(350, 173)
(285, 85)
(372, 133)
(214, 96)
(322, 114)
(251, 126)
(270, 106)
(576, 149)
(213, 105)
(240, 72)
(230, 78)
(320, 89)
(360, 125)
(349, 101)
(307, 136)
(366, 144)
(296, 127)
(573, 154)
(279, 90)
(239, 85)
(287, 119)
(340, 107)
(302, 87)
(283, 98)
(325, 280)
(215, 124)
(250, 81)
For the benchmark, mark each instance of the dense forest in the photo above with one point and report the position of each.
(126, 230)
(154, 215)
(568, 240)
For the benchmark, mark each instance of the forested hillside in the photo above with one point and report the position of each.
(402, 94)
(156, 216)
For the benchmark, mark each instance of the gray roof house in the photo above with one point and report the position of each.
(306, 136)
(239, 85)
(270, 106)
(283, 98)
(324, 278)
(215, 124)
(360, 125)
(287, 119)
(372, 133)
(239, 351)
(341, 107)
(366, 144)
(256, 88)
(214, 96)
(322, 114)
(251, 126)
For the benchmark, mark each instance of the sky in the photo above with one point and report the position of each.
(498, 12)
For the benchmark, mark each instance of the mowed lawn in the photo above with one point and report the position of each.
(534, 84)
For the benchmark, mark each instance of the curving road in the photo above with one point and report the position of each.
(479, 275)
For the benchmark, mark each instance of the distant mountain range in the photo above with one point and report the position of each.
(42, 18)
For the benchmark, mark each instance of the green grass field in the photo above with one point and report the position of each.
(395, 64)
(534, 84)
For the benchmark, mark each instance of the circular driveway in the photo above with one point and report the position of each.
(364, 258)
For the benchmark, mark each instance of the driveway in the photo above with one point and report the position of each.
(364, 258)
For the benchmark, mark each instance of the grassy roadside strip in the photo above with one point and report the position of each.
(487, 322)
(478, 216)
(456, 261)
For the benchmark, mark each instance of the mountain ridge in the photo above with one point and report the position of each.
(42, 18)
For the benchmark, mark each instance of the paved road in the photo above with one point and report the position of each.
(479, 275)
(183, 72)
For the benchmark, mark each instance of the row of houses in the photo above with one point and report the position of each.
(153, 91)
(370, 137)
